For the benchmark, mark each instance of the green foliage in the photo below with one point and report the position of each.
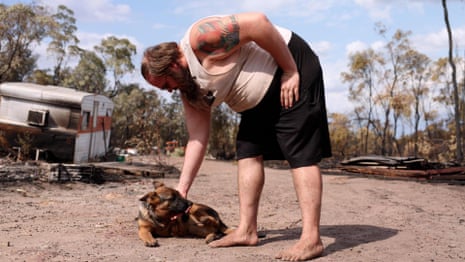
(138, 119)
(88, 75)
(174, 126)
(40, 77)
(21, 27)
(117, 56)
(63, 40)
(224, 126)
(343, 139)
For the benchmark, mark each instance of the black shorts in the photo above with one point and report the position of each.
(299, 134)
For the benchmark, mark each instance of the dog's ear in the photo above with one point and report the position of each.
(157, 184)
(144, 198)
(147, 196)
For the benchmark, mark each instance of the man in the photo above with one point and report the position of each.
(273, 78)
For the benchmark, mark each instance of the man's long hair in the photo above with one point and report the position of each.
(157, 61)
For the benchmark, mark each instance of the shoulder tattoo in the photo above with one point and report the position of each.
(217, 36)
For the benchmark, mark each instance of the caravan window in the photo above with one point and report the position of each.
(37, 117)
(74, 120)
(85, 120)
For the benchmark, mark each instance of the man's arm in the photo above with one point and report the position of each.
(198, 127)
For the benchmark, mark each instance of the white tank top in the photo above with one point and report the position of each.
(244, 85)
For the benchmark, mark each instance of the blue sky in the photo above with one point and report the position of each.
(334, 28)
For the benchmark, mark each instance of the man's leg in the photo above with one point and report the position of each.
(308, 186)
(251, 178)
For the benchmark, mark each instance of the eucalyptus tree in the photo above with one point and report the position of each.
(124, 114)
(89, 75)
(40, 76)
(63, 40)
(343, 139)
(457, 102)
(417, 69)
(117, 55)
(147, 118)
(394, 75)
(362, 77)
(22, 27)
(224, 128)
(138, 118)
(175, 127)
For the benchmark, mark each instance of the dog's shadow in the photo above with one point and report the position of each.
(346, 236)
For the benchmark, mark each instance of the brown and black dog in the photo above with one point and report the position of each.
(165, 213)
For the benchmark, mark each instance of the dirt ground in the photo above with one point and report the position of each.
(363, 219)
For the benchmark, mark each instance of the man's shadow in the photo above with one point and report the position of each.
(346, 236)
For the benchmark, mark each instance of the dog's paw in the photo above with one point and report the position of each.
(212, 237)
(152, 243)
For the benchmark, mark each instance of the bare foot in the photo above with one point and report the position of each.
(301, 251)
(236, 239)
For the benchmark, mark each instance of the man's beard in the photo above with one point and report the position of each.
(191, 90)
(185, 81)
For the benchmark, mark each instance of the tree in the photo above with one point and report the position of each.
(458, 128)
(223, 132)
(342, 138)
(147, 119)
(123, 116)
(117, 56)
(21, 27)
(388, 87)
(362, 77)
(416, 67)
(400, 109)
(394, 74)
(40, 77)
(138, 119)
(89, 75)
(175, 126)
(64, 41)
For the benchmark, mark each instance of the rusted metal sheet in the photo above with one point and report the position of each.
(391, 161)
(402, 167)
(392, 172)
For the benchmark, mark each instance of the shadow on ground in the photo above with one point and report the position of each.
(345, 236)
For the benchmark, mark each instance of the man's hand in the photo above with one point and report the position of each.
(289, 89)
(182, 191)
